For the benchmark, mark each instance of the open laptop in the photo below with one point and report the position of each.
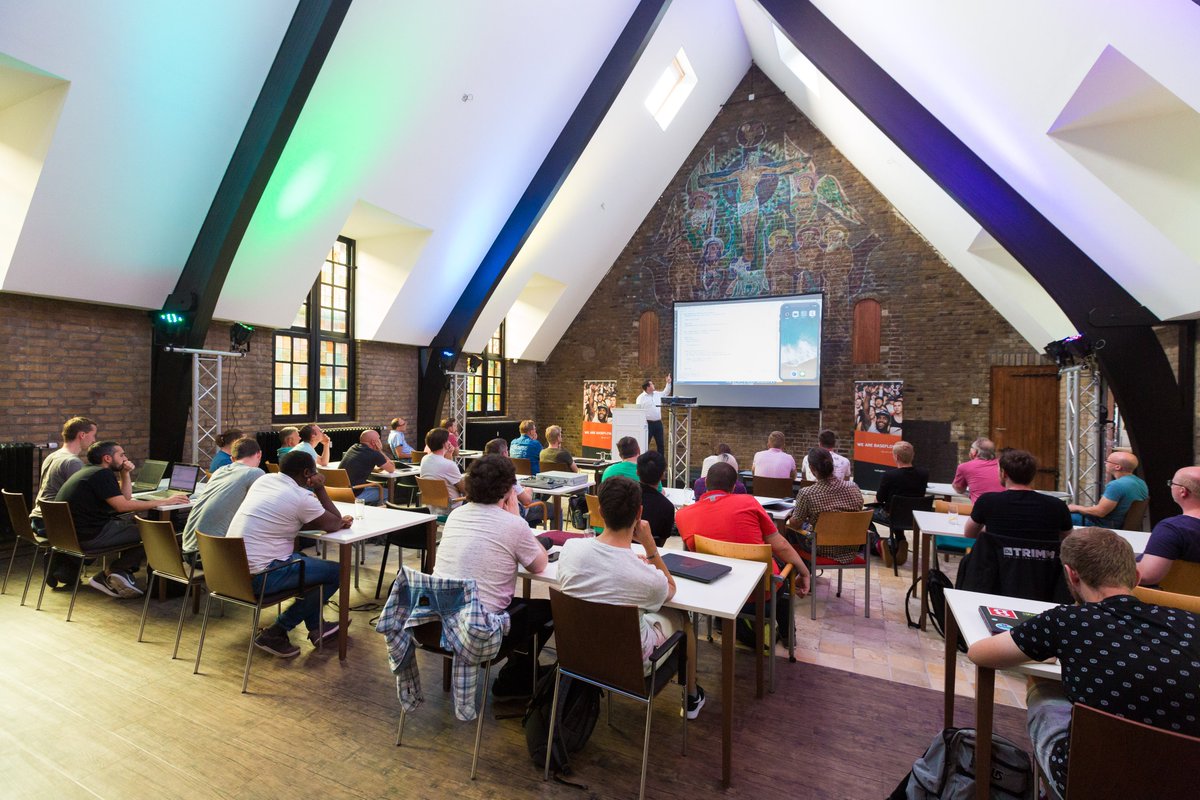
(150, 475)
(999, 620)
(184, 478)
(694, 569)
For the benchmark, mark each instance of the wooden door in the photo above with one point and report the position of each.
(1025, 415)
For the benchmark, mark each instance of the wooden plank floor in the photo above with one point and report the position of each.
(86, 711)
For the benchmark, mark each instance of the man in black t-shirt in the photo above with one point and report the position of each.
(360, 460)
(1118, 654)
(101, 498)
(1019, 511)
(657, 510)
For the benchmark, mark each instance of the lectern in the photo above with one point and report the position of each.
(628, 422)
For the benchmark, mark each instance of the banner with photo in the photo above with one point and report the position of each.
(878, 424)
(599, 399)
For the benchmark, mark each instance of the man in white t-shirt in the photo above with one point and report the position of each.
(606, 570)
(487, 540)
(436, 465)
(650, 401)
(277, 507)
(774, 462)
(827, 440)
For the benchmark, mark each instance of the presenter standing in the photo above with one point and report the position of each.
(650, 402)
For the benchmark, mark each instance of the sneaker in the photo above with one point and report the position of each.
(330, 631)
(123, 584)
(695, 702)
(276, 642)
(99, 582)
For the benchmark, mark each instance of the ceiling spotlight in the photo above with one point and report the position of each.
(239, 337)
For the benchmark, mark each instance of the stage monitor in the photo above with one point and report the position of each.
(762, 352)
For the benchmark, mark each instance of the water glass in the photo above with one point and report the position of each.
(360, 508)
(952, 512)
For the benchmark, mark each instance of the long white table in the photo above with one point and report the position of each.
(556, 495)
(679, 497)
(376, 522)
(947, 491)
(723, 598)
(963, 619)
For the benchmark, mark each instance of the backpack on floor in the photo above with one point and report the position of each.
(939, 582)
(577, 506)
(578, 712)
(947, 770)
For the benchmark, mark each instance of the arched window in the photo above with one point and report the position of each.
(868, 326)
(648, 340)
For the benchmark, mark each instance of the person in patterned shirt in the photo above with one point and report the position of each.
(828, 494)
(1120, 655)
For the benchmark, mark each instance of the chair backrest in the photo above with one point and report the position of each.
(271, 466)
(614, 658)
(60, 525)
(943, 507)
(595, 517)
(1110, 756)
(901, 508)
(842, 528)
(162, 548)
(335, 478)
(433, 492)
(771, 487)
(340, 494)
(1182, 578)
(226, 570)
(1026, 568)
(1135, 515)
(522, 465)
(18, 515)
(1186, 602)
(746, 552)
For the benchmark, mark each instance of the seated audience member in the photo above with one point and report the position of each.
(827, 440)
(437, 465)
(213, 509)
(629, 450)
(721, 455)
(486, 540)
(360, 460)
(721, 513)
(225, 444)
(1175, 538)
(451, 426)
(1019, 511)
(289, 437)
(827, 494)
(78, 434)
(903, 481)
(773, 462)
(656, 508)
(400, 447)
(532, 514)
(554, 456)
(276, 508)
(701, 486)
(981, 474)
(527, 446)
(1142, 667)
(101, 498)
(605, 569)
(311, 436)
(1120, 492)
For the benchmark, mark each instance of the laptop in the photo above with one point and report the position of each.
(1000, 620)
(150, 475)
(184, 478)
(694, 569)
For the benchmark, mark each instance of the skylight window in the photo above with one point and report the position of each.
(800, 66)
(671, 90)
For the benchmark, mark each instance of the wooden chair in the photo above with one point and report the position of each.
(1182, 578)
(771, 584)
(1186, 602)
(340, 479)
(1110, 757)
(227, 574)
(271, 467)
(523, 466)
(1135, 516)
(612, 662)
(595, 518)
(545, 512)
(771, 487)
(841, 529)
(423, 539)
(435, 494)
(340, 494)
(60, 530)
(166, 561)
(18, 517)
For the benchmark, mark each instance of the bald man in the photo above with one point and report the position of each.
(1122, 489)
(361, 459)
(1175, 538)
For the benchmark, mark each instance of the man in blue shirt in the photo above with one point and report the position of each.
(527, 445)
(1122, 489)
(400, 448)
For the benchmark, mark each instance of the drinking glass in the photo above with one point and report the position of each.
(952, 512)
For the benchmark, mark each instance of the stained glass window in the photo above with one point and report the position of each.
(485, 387)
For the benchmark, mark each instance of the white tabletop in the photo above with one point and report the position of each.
(679, 497)
(939, 525)
(965, 608)
(562, 490)
(781, 507)
(723, 598)
(948, 490)
(399, 472)
(376, 522)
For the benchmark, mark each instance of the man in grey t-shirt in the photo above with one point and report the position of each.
(78, 434)
(213, 509)
(436, 465)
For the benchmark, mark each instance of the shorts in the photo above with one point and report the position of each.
(663, 625)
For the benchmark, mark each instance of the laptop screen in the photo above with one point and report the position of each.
(150, 474)
(184, 477)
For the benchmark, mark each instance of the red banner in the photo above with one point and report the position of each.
(874, 448)
(599, 399)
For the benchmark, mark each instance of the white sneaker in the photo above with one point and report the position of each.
(100, 583)
(123, 585)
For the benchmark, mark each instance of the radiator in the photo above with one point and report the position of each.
(16, 475)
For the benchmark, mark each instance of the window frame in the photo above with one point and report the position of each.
(477, 383)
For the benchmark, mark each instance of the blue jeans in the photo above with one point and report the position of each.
(308, 609)
(371, 495)
(1049, 719)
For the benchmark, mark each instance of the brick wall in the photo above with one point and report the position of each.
(835, 234)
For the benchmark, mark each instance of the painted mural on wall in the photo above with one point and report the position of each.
(760, 218)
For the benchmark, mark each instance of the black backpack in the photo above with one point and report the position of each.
(578, 712)
(939, 582)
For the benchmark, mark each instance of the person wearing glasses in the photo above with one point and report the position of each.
(1174, 538)
(1122, 489)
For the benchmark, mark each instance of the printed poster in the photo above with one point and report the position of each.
(878, 424)
(599, 399)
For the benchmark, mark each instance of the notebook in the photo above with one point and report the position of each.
(184, 478)
(695, 569)
(1000, 620)
(150, 475)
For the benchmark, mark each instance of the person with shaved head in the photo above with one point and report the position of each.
(361, 459)
(1174, 538)
(1122, 489)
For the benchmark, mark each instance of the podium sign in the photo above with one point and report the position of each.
(599, 400)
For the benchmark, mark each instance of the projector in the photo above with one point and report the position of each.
(564, 478)
(678, 400)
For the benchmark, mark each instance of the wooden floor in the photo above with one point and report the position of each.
(85, 711)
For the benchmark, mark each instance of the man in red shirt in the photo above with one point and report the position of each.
(740, 518)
